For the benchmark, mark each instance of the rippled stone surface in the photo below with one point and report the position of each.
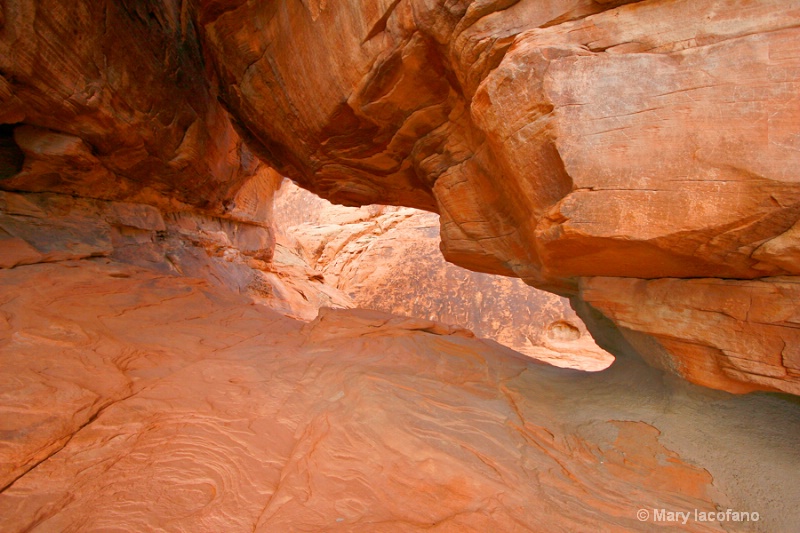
(134, 400)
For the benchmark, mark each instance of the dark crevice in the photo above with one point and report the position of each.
(11, 156)
(380, 25)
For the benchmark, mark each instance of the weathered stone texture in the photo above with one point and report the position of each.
(388, 258)
(138, 400)
(111, 100)
(558, 141)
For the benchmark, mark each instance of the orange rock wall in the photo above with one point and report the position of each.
(559, 141)
(388, 258)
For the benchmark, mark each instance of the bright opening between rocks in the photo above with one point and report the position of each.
(387, 258)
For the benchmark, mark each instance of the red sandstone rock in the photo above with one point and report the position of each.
(388, 259)
(576, 144)
(112, 101)
(238, 253)
(705, 334)
(137, 400)
(558, 141)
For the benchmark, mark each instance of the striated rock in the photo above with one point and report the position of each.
(59, 227)
(561, 114)
(36, 232)
(388, 259)
(147, 401)
(111, 100)
(702, 203)
(638, 157)
(707, 336)
(234, 254)
(289, 285)
(558, 141)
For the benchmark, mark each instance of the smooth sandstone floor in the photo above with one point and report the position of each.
(134, 401)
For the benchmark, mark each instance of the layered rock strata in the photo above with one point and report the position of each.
(236, 253)
(606, 150)
(560, 142)
(139, 400)
(111, 100)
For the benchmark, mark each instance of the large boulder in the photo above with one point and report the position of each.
(558, 141)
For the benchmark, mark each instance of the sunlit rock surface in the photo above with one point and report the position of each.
(143, 401)
(388, 258)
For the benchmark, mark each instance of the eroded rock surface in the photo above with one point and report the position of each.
(726, 341)
(558, 141)
(639, 157)
(237, 252)
(111, 100)
(388, 258)
(152, 401)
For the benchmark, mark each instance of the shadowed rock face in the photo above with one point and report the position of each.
(560, 142)
(140, 400)
(110, 99)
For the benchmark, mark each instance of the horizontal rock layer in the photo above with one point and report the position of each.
(237, 252)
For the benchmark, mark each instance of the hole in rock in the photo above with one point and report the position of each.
(387, 258)
(11, 156)
(562, 330)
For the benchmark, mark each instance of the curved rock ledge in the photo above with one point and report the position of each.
(559, 142)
